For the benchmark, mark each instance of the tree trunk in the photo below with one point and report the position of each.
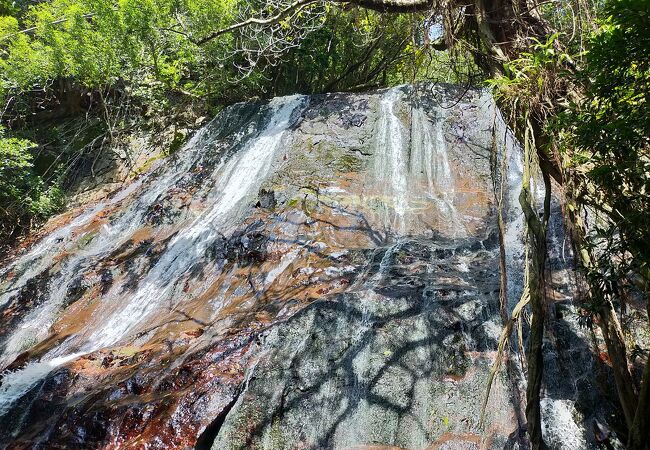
(498, 165)
(615, 342)
(639, 435)
(536, 284)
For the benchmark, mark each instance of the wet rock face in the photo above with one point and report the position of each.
(311, 272)
(401, 359)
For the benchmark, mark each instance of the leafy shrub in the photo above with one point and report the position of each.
(24, 196)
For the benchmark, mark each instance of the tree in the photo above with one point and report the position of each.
(23, 194)
(604, 137)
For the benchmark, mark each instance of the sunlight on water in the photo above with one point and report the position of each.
(35, 326)
(391, 163)
(559, 428)
(238, 180)
(430, 158)
(18, 383)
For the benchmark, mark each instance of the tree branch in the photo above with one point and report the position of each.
(297, 5)
(34, 28)
(394, 6)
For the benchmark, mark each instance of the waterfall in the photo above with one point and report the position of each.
(390, 167)
(238, 180)
(320, 271)
(17, 383)
(143, 193)
(412, 171)
(430, 159)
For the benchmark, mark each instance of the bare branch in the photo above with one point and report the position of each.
(295, 6)
(377, 5)
(395, 6)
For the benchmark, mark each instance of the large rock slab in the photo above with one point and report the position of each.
(309, 272)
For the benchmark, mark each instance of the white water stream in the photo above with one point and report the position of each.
(236, 182)
(411, 167)
(390, 167)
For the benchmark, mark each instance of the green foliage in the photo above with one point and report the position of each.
(130, 60)
(8, 8)
(352, 50)
(530, 82)
(148, 46)
(23, 194)
(96, 44)
(606, 134)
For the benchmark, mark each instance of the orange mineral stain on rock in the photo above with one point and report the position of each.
(319, 262)
(475, 441)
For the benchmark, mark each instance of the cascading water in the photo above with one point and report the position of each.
(35, 326)
(239, 179)
(411, 167)
(316, 272)
(429, 154)
(391, 163)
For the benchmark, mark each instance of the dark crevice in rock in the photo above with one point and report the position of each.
(205, 439)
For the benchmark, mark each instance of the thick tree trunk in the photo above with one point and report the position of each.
(535, 372)
(392, 5)
(536, 285)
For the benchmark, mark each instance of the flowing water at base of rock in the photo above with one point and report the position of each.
(309, 272)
